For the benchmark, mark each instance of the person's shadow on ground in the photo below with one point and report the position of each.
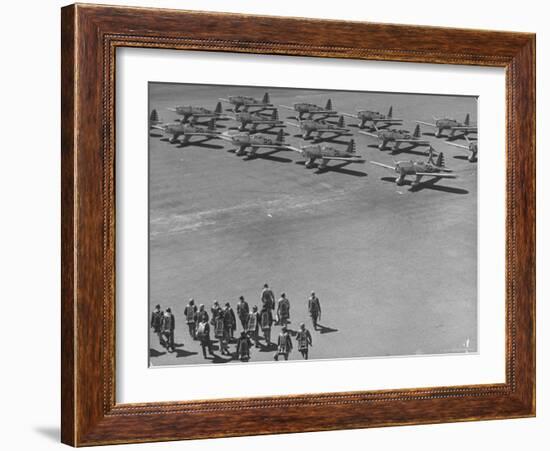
(325, 329)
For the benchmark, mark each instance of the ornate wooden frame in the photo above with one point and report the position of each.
(90, 36)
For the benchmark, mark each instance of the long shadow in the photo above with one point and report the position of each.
(340, 168)
(268, 156)
(268, 347)
(155, 135)
(184, 353)
(219, 359)
(428, 184)
(201, 143)
(325, 329)
(375, 146)
(155, 353)
(410, 149)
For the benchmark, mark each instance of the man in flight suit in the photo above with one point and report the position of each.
(168, 327)
(243, 311)
(156, 322)
(314, 308)
(284, 344)
(303, 337)
(190, 313)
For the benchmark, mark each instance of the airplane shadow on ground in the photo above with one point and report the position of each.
(268, 347)
(268, 156)
(201, 143)
(429, 184)
(155, 135)
(325, 329)
(184, 353)
(410, 149)
(155, 353)
(332, 140)
(340, 168)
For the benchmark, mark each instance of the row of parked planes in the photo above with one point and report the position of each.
(315, 121)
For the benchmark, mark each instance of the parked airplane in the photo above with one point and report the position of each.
(398, 137)
(244, 140)
(256, 119)
(311, 109)
(325, 153)
(471, 147)
(419, 169)
(309, 126)
(189, 111)
(446, 123)
(374, 117)
(177, 129)
(246, 102)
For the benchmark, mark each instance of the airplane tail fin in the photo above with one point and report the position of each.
(467, 120)
(440, 162)
(416, 133)
(390, 112)
(341, 121)
(218, 109)
(275, 114)
(351, 146)
(266, 98)
(328, 106)
(154, 117)
(281, 136)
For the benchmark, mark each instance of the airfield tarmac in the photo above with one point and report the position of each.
(395, 270)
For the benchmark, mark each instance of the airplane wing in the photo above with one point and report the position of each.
(286, 107)
(426, 123)
(172, 109)
(349, 115)
(442, 175)
(465, 127)
(159, 127)
(382, 165)
(413, 141)
(354, 159)
(224, 100)
(293, 124)
(295, 149)
(373, 135)
(460, 146)
(204, 133)
(333, 129)
(269, 146)
(393, 120)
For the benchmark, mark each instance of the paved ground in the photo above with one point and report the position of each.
(395, 270)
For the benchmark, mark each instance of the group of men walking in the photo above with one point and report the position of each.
(223, 320)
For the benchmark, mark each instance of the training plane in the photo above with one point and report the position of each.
(398, 137)
(471, 147)
(446, 123)
(311, 109)
(256, 119)
(247, 102)
(309, 126)
(244, 140)
(325, 153)
(374, 117)
(189, 111)
(177, 129)
(154, 119)
(419, 169)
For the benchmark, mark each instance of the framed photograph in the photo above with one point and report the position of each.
(278, 225)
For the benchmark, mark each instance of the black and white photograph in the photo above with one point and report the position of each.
(294, 224)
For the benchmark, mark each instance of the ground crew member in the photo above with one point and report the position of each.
(167, 327)
(216, 312)
(303, 337)
(243, 347)
(202, 314)
(283, 310)
(268, 298)
(230, 320)
(243, 311)
(284, 344)
(203, 334)
(190, 313)
(253, 324)
(314, 308)
(156, 322)
(266, 319)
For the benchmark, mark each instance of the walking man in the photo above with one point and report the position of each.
(216, 312)
(266, 319)
(253, 324)
(303, 337)
(168, 326)
(243, 311)
(268, 298)
(230, 320)
(203, 334)
(283, 310)
(190, 313)
(202, 314)
(243, 347)
(314, 308)
(156, 322)
(284, 344)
